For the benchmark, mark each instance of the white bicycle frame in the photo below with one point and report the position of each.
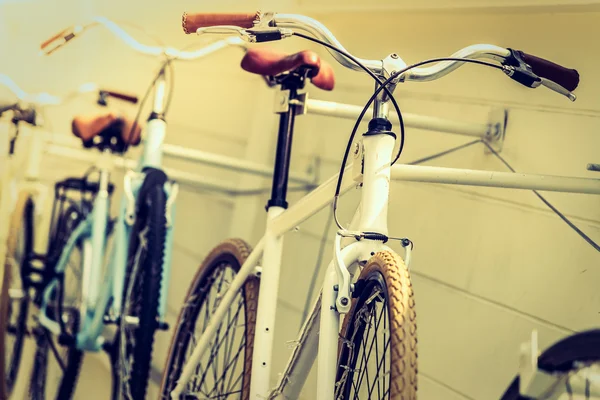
(373, 173)
(322, 326)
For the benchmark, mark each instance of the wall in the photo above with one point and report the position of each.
(489, 265)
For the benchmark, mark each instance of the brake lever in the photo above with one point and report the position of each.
(526, 77)
(253, 35)
(558, 89)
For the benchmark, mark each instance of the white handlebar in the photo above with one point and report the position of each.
(38, 98)
(44, 99)
(168, 51)
(318, 30)
(155, 51)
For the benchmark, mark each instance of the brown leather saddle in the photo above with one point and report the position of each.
(106, 130)
(268, 62)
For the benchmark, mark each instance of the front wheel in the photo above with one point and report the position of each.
(574, 358)
(378, 347)
(143, 280)
(223, 371)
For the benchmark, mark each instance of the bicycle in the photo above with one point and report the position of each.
(222, 345)
(131, 291)
(21, 190)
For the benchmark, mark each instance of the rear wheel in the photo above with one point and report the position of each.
(14, 305)
(575, 357)
(225, 369)
(56, 366)
(378, 350)
(139, 316)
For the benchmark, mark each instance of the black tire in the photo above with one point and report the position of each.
(221, 264)
(56, 366)
(47, 349)
(384, 308)
(141, 296)
(563, 357)
(14, 313)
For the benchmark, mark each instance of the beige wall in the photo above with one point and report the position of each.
(489, 265)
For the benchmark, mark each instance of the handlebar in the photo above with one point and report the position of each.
(191, 22)
(44, 99)
(40, 99)
(61, 38)
(528, 70)
(565, 77)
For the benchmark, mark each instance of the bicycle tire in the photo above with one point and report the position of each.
(231, 253)
(21, 227)
(71, 357)
(145, 294)
(4, 299)
(386, 280)
(562, 357)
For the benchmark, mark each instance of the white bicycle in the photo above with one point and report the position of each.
(24, 235)
(223, 342)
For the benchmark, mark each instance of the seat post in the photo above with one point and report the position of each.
(292, 83)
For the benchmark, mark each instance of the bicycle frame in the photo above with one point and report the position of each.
(322, 325)
(98, 294)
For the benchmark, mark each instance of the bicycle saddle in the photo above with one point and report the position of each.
(88, 127)
(262, 61)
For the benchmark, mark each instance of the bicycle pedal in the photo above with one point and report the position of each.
(65, 339)
(163, 326)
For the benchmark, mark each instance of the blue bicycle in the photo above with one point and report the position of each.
(84, 288)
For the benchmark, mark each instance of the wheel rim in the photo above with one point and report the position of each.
(220, 372)
(366, 356)
(17, 313)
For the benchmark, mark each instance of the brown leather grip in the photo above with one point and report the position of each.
(121, 96)
(59, 35)
(565, 77)
(191, 22)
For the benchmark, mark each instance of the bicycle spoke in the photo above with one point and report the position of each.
(229, 345)
(377, 374)
(376, 379)
(366, 358)
(365, 371)
(220, 371)
(215, 357)
(242, 344)
(361, 349)
(226, 369)
(216, 345)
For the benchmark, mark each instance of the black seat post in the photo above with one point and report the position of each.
(292, 82)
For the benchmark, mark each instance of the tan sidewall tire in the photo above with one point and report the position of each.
(240, 250)
(403, 322)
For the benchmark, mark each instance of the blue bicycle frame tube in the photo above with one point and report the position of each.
(99, 289)
(99, 220)
(156, 128)
(121, 249)
(99, 292)
(81, 231)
